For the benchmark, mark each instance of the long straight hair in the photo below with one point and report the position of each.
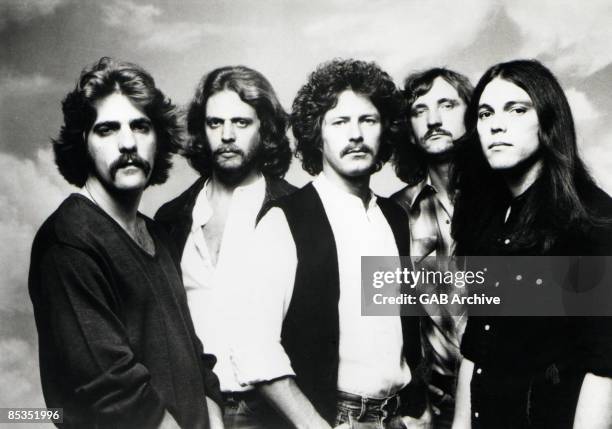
(555, 205)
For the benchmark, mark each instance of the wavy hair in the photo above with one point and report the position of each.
(255, 90)
(556, 203)
(320, 94)
(101, 79)
(410, 162)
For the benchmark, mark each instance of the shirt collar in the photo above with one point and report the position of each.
(202, 209)
(421, 190)
(335, 194)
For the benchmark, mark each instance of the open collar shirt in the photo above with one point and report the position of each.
(430, 219)
(213, 289)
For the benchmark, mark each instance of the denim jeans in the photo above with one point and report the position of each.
(367, 413)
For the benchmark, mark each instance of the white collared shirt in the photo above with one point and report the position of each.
(371, 362)
(212, 290)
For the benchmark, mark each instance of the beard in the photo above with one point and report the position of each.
(231, 162)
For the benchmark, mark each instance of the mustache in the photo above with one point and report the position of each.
(127, 160)
(356, 148)
(228, 148)
(437, 130)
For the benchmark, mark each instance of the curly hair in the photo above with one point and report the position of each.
(253, 89)
(410, 161)
(103, 78)
(320, 94)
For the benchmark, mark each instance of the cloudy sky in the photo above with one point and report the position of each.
(45, 44)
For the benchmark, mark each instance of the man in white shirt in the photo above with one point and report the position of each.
(306, 345)
(240, 148)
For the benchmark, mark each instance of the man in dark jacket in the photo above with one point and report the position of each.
(240, 148)
(117, 345)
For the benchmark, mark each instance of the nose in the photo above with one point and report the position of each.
(433, 119)
(497, 124)
(228, 134)
(356, 136)
(127, 141)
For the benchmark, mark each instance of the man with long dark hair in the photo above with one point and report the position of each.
(115, 335)
(240, 148)
(436, 100)
(308, 348)
(523, 190)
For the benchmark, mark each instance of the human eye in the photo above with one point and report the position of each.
(213, 122)
(103, 130)
(242, 122)
(338, 122)
(518, 110)
(418, 112)
(447, 105)
(484, 114)
(142, 127)
(370, 120)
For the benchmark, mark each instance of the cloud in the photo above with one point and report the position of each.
(29, 194)
(141, 16)
(13, 83)
(575, 35)
(179, 36)
(23, 11)
(398, 33)
(146, 23)
(20, 385)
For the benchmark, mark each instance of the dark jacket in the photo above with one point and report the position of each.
(176, 215)
(529, 370)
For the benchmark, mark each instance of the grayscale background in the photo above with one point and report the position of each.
(44, 44)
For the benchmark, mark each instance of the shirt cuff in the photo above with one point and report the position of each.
(257, 366)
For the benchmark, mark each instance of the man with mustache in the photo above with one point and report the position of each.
(436, 100)
(240, 148)
(115, 335)
(306, 345)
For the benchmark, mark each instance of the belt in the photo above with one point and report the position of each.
(388, 406)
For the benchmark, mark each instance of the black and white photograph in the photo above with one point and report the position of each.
(193, 191)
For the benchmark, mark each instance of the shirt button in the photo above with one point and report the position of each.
(539, 282)
(479, 371)
(519, 277)
(487, 327)
(496, 284)
(507, 241)
(447, 222)
(476, 414)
